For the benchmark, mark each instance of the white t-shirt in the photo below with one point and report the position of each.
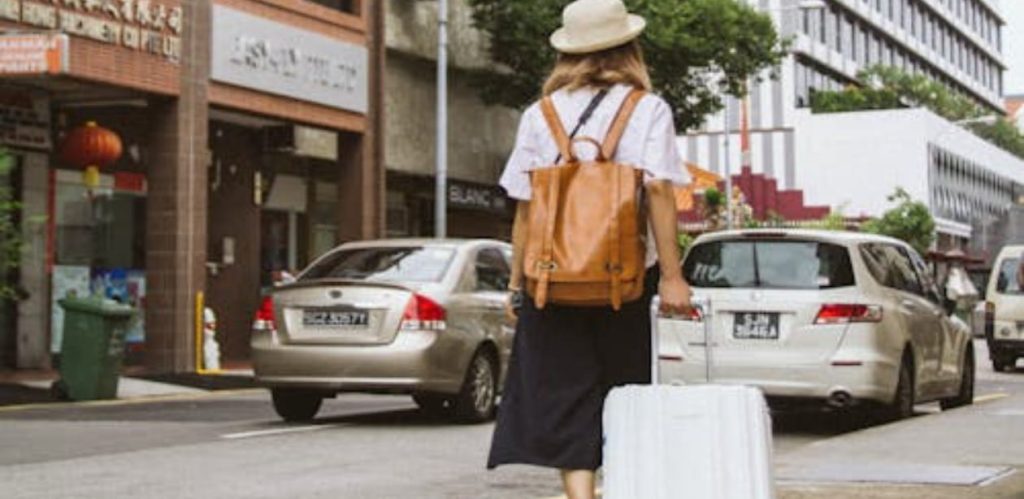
(648, 143)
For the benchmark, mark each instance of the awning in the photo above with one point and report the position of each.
(701, 180)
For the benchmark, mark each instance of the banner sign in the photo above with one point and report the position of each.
(143, 25)
(32, 54)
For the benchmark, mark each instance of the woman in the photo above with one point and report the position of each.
(566, 359)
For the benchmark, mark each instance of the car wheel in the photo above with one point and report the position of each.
(296, 405)
(475, 403)
(999, 363)
(966, 394)
(432, 403)
(902, 406)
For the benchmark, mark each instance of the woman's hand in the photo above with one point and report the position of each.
(675, 296)
(515, 300)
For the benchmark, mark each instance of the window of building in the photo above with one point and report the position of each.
(822, 36)
(347, 6)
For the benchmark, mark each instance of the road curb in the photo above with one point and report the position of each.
(147, 399)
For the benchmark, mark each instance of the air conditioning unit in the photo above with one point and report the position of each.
(302, 141)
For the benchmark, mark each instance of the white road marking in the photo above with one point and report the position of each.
(279, 431)
(990, 397)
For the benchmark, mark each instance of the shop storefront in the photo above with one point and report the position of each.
(287, 128)
(242, 149)
(474, 209)
(82, 236)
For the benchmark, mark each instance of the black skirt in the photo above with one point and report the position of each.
(564, 361)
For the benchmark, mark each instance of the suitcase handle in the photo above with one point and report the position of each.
(703, 305)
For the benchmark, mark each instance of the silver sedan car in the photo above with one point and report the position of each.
(418, 317)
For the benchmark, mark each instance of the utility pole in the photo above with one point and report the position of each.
(728, 164)
(441, 194)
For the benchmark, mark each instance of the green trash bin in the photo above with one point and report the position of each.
(92, 347)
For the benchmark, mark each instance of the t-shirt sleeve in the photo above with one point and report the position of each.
(525, 156)
(661, 159)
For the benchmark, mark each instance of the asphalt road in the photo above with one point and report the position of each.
(231, 444)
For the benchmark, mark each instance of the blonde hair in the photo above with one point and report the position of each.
(622, 64)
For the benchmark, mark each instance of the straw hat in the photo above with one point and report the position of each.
(595, 25)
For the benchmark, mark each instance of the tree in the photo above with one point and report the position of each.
(909, 221)
(694, 48)
(11, 240)
(892, 88)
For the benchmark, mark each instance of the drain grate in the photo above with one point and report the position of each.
(895, 473)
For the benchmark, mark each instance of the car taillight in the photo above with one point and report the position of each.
(845, 313)
(423, 314)
(692, 315)
(265, 315)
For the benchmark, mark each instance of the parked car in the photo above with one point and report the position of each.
(418, 317)
(1004, 310)
(835, 318)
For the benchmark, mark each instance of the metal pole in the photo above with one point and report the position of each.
(728, 165)
(441, 194)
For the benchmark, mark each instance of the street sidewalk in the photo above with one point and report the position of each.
(32, 387)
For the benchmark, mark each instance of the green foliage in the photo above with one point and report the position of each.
(685, 241)
(832, 221)
(909, 221)
(891, 88)
(10, 234)
(694, 49)
(713, 206)
(1002, 133)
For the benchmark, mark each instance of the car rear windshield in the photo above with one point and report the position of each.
(769, 264)
(1008, 282)
(390, 264)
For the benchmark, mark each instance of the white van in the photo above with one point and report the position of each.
(1004, 325)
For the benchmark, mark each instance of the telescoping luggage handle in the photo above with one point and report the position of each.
(703, 305)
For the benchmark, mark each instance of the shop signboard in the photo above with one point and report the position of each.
(257, 53)
(25, 120)
(476, 197)
(33, 54)
(150, 26)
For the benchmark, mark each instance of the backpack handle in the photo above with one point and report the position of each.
(597, 146)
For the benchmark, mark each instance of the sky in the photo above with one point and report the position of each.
(1013, 47)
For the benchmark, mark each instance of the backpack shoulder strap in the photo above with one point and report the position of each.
(618, 127)
(547, 106)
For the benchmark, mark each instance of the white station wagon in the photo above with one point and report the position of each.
(838, 318)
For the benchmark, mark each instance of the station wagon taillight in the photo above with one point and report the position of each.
(423, 314)
(265, 315)
(692, 315)
(845, 313)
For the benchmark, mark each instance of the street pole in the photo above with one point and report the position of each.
(441, 194)
(728, 165)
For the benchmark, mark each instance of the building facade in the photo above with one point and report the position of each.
(479, 136)
(955, 42)
(969, 184)
(251, 142)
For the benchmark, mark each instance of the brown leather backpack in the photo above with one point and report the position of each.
(585, 245)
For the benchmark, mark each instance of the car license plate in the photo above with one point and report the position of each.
(336, 318)
(756, 326)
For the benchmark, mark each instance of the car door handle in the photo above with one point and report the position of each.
(909, 304)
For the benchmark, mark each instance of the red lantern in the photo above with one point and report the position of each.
(91, 147)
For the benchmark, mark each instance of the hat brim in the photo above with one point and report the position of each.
(561, 42)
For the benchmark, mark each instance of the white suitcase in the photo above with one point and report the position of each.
(693, 442)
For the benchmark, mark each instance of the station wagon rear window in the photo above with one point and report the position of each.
(387, 264)
(769, 264)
